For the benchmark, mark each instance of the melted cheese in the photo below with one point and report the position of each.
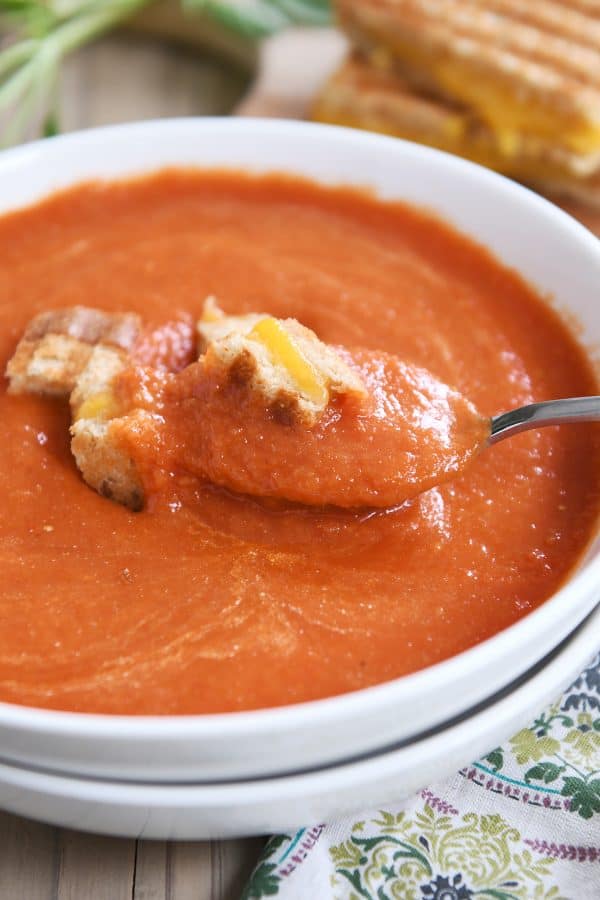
(507, 107)
(284, 352)
(102, 405)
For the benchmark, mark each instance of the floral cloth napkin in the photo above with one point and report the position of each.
(521, 824)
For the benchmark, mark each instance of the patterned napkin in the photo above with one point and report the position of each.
(521, 824)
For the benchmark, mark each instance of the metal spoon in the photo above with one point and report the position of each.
(536, 415)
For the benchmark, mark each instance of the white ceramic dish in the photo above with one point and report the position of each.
(551, 250)
(190, 811)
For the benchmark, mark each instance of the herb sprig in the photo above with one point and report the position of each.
(259, 18)
(36, 35)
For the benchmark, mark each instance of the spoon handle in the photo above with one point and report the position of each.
(536, 415)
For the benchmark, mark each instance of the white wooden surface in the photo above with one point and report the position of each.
(118, 79)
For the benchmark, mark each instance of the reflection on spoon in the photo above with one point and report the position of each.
(536, 415)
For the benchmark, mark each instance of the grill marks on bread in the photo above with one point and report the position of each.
(535, 58)
(77, 353)
(279, 362)
(57, 345)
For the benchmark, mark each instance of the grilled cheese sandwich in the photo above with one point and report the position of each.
(361, 95)
(524, 69)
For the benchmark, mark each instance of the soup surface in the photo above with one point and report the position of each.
(207, 601)
(406, 434)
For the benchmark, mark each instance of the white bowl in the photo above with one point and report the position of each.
(550, 249)
(203, 811)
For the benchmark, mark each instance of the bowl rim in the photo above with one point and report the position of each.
(373, 767)
(329, 709)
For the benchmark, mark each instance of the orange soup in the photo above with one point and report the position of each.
(206, 600)
(408, 433)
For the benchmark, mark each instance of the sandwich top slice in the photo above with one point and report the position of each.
(525, 69)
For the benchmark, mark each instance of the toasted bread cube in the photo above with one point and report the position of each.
(57, 345)
(92, 395)
(281, 361)
(104, 465)
(77, 353)
(91, 326)
(218, 329)
(47, 366)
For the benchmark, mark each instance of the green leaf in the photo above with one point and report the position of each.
(527, 747)
(355, 880)
(251, 20)
(585, 796)
(258, 18)
(51, 126)
(40, 39)
(304, 12)
(386, 820)
(345, 854)
(274, 844)
(545, 771)
(497, 894)
(41, 31)
(389, 823)
(263, 883)
(495, 759)
(404, 851)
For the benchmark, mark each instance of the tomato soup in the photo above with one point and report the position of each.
(408, 433)
(209, 601)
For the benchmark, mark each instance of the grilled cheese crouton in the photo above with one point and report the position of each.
(280, 361)
(92, 396)
(104, 465)
(77, 353)
(57, 345)
(49, 365)
(216, 326)
(92, 326)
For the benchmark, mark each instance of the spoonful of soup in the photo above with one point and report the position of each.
(279, 414)
(259, 406)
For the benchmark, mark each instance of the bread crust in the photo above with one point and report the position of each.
(57, 345)
(78, 353)
(234, 353)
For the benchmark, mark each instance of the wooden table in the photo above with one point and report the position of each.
(38, 862)
(119, 79)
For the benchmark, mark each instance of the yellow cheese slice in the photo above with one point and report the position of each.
(284, 352)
